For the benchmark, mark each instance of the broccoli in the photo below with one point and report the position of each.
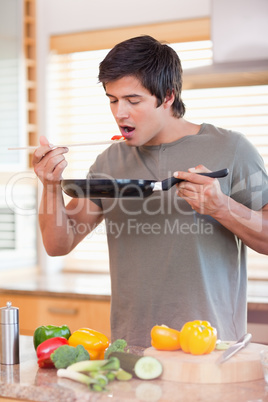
(82, 354)
(66, 355)
(117, 346)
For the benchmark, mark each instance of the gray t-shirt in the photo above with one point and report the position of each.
(168, 263)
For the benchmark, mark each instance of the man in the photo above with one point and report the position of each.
(178, 255)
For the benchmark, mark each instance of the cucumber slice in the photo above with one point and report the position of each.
(222, 345)
(148, 368)
(143, 367)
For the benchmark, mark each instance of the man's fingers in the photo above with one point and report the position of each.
(45, 150)
(192, 178)
(199, 169)
(51, 163)
(43, 140)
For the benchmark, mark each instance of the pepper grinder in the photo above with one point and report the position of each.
(9, 334)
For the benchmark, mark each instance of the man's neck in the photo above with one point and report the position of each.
(177, 129)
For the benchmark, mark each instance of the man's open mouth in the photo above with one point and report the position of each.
(127, 129)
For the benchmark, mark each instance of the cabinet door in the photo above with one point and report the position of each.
(76, 313)
(28, 314)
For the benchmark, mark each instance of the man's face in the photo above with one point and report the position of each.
(135, 112)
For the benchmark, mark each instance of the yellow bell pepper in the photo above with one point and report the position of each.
(93, 341)
(198, 337)
(165, 338)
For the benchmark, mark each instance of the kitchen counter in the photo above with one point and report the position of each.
(26, 381)
(78, 285)
(91, 286)
(84, 299)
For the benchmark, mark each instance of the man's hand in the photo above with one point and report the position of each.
(202, 193)
(49, 162)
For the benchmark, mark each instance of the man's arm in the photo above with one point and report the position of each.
(64, 227)
(205, 196)
(59, 224)
(250, 226)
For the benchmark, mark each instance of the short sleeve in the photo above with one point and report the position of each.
(250, 180)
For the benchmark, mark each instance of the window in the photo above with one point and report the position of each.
(7, 229)
(17, 223)
(12, 122)
(17, 128)
(243, 109)
(79, 112)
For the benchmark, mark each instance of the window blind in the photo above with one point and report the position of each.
(79, 112)
(12, 121)
(243, 109)
(7, 229)
(17, 224)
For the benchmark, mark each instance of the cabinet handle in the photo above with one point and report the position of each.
(62, 310)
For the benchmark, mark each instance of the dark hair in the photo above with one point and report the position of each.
(156, 65)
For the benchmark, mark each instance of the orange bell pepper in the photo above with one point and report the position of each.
(198, 337)
(93, 341)
(165, 338)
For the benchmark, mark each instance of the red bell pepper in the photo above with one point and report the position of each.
(46, 348)
(117, 137)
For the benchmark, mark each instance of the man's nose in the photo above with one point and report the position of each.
(122, 110)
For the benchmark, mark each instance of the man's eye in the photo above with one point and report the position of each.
(113, 101)
(134, 102)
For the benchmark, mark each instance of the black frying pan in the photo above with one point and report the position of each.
(119, 188)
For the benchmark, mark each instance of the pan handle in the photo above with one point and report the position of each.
(168, 183)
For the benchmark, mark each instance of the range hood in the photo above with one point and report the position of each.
(239, 32)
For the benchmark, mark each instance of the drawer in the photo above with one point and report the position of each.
(76, 313)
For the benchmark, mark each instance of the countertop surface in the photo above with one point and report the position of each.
(76, 285)
(25, 381)
(85, 285)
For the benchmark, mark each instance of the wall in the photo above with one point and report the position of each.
(239, 30)
(77, 15)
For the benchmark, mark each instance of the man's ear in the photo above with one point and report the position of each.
(169, 98)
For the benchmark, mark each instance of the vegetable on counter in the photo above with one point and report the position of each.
(95, 373)
(46, 348)
(66, 355)
(198, 337)
(96, 365)
(93, 341)
(142, 367)
(43, 333)
(165, 338)
(220, 345)
(97, 383)
(76, 376)
(117, 346)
